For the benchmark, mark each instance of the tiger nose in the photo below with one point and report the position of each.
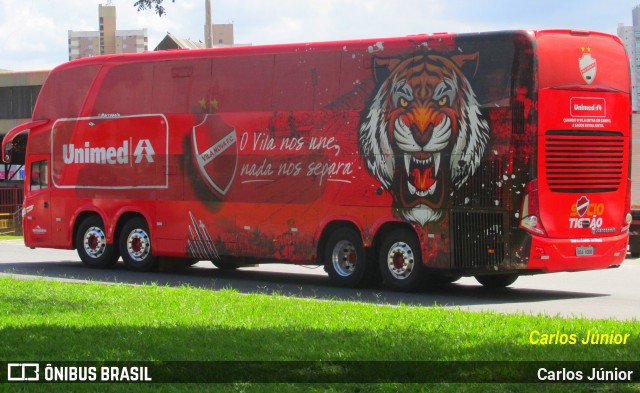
(421, 136)
(422, 124)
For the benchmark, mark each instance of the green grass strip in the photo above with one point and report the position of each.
(9, 237)
(58, 321)
(67, 321)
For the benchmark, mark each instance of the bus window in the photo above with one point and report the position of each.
(39, 175)
(126, 90)
(64, 92)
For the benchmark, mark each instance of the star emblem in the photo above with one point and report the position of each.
(209, 104)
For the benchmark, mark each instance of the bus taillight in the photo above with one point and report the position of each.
(530, 218)
(626, 222)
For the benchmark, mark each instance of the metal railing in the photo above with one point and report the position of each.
(10, 215)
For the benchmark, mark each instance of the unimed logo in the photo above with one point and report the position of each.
(588, 107)
(111, 155)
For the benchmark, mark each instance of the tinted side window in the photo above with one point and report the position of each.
(39, 175)
(126, 90)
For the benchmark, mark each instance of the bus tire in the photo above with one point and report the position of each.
(135, 246)
(91, 244)
(400, 261)
(345, 259)
(225, 264)
(445, 279)
(497, 281)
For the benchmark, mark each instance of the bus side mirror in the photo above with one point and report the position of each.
(7, 153)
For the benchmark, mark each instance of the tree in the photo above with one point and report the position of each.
(150, 4)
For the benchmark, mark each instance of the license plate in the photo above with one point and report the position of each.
(585, 251)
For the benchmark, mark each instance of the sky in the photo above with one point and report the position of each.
(34, 33)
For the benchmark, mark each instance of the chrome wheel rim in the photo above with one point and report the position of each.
(400, 260)
(344, 258)
(94, 242)
(138, 245)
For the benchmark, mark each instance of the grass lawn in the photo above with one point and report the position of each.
(8, 237)
(55, 321)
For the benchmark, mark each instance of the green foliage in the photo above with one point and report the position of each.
(151, 4)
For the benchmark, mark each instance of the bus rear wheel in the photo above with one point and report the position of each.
(91, 244)
(497, 281)
(135, 246)
(225, 263)
(401, 261)
(345, 259)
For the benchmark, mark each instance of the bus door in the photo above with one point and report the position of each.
(37, 203)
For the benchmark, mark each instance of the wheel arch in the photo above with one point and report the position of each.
(80, 216)
(388, 227)
(371, 236)
(112, 227)
(326, 231)
(124, 217)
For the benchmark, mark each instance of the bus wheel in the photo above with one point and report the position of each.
(444, 279)
(91, 244)
(401, 261)
(225, 264)
(345, 259)
(498, 281)
(135, 246)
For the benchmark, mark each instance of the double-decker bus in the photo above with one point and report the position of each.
(398, 160)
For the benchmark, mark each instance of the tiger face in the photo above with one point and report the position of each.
(422, 135)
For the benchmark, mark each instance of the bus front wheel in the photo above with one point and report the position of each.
(345, 259)
(135, 246)
(92, 246)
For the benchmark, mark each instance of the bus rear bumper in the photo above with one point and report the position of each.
(557, 255)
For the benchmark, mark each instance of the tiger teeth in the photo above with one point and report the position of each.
(422, 194)
(432, 160)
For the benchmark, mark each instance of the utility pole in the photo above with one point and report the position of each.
(208, 27)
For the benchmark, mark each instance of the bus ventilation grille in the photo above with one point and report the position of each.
(581, 161)
(477, 239)
(517, 118)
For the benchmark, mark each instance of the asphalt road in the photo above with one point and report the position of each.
(612, 293)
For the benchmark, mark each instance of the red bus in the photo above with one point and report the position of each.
(398, 160)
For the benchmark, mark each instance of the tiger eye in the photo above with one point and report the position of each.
(443, 101)
(403, 102)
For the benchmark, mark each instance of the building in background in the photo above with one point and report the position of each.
(107, 40)
(222, 36)
(172, 42)
(630, 35)
(18, 93)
